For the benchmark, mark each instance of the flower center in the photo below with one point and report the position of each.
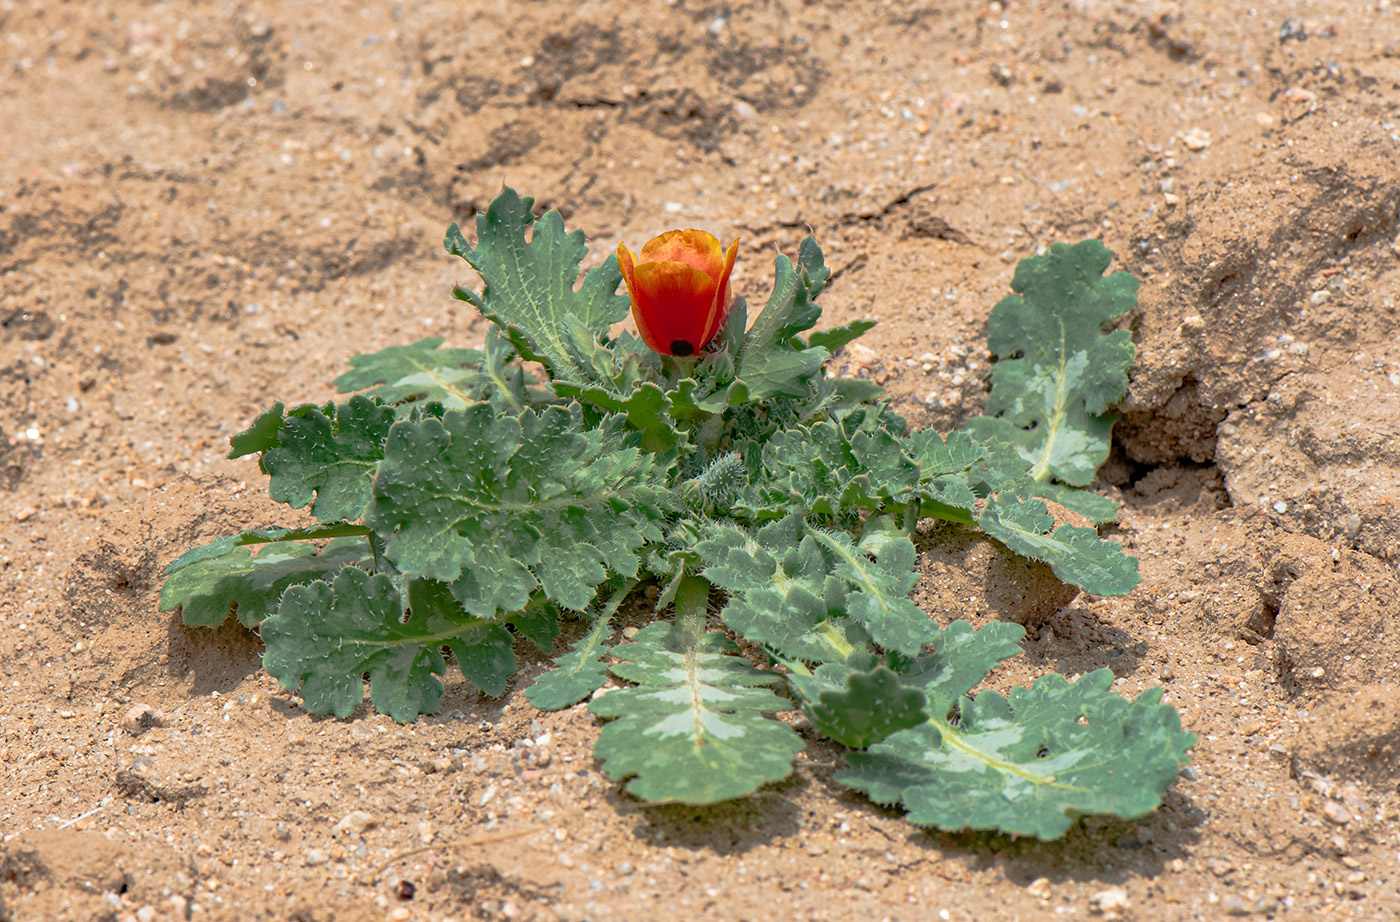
(681, 347)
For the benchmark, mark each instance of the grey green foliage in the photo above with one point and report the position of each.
(1076, 554)
(326, 635)
(217, 578)
(499, 506)
(326, 454)
(862, 699)
(581, 671)
(1058, 372)
(465, 502)
(421, 371)
(1031, 764)
(773, 360)
(693, 728)
(529, 285)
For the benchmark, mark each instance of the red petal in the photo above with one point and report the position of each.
(671, 303)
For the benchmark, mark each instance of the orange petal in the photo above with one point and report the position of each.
(627, 262)
(696, 248)
(719, 309)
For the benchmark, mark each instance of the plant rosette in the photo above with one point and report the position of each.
(462, 503)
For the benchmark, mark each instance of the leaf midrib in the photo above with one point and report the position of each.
(1041, 469)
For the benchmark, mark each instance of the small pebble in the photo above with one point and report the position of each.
(354, 823)
(1219, 867)
(1336, 812)
(1040, 887)
(1234, 906)
(1112, 900)
(1195, 138)
(140, 718)
(316, 857)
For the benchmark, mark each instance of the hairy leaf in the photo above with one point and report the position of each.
(210, 581)
(500, 506)
(580, 672)
(327, 454)
(837, 337)
(529, 285)
(857, 708)
(421, 371)
(880, 571)
(781, 591)
(862, 701)
(694, 728)
(577, 674)
(538, 621)
(772, 360)
(960, 659)
(1076, 554)
(325, 636)
(1058, 373)
(1033, 764)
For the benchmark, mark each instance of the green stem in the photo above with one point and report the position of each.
(376, 550)
(692, 604)
(314, 533)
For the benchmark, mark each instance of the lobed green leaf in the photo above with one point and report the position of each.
(694, 729)
(418, 372)
(210, 581)
(1033, 764)
(326, 454)
(1057, 372)
(325, 636)
(500, 506)
(1076, 554)
(529, 285)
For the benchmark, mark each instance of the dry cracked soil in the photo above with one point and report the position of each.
(206, 207)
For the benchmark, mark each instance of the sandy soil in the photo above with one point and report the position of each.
(207, 207)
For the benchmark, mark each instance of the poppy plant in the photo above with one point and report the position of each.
(679, 287)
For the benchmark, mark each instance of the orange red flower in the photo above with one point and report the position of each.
(679, 286)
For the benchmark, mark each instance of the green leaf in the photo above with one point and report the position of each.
(1097, 509)
(647, 408)
(857, 708)
(694, 729)
(538, 621)
(773, 360)
(260, 436)
(578, 673)
(961, 658)
(420, 371)
(208, 582)
(880, 570)
(1031, 765)
(500, 506)
(325, 636)
(781, 593)
(529, 286)
(1057, 372)
(482, 648)
(837, 337)
(816, 470)
(1077, 555)
(861, 701)
(329, 454)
